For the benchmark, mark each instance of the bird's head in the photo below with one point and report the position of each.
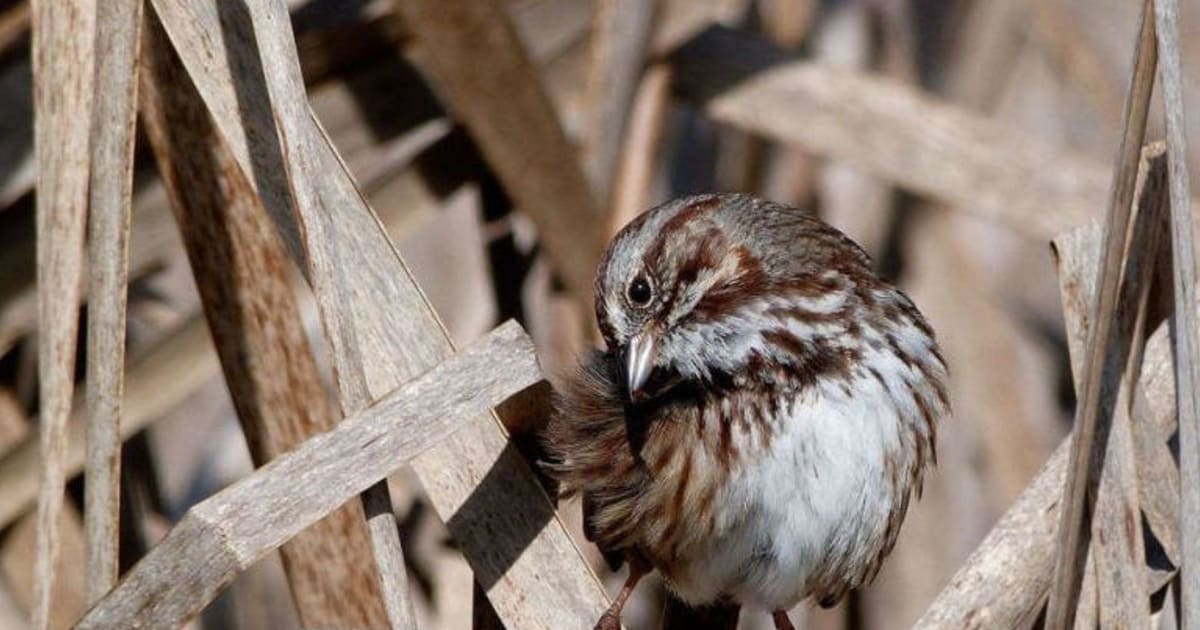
(696, 288)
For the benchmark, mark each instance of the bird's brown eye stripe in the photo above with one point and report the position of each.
(676, 224)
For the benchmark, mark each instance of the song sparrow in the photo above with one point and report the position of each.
(764, 409)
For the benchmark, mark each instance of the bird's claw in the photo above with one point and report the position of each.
(609, 621)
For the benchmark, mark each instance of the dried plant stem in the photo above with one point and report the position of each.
(1086, 450)
(14, 25)
(1117, 550)
(382, 329)
(118, 33)
(477, 63)
(621, 37)
(302, 151)
(1186, 322)
(232, 529)
(155, 384)
(13, 426)
(1005, 580)
(892, 131)
(17, 563)
(63, 32)
(631, 191)
(241, 270)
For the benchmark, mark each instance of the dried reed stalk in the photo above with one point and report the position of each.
(302, 152)
(892, 131)
(621, 36)
(63, 49)
(1103, 367)
(505, 524)
(118, 32)
(1115, 567)
(232, 529)
(1158, 475)
(1186, 322)
(1005, 580)
(155, 383)
(13, 426)
(14, 25)
(152, 239)
(487, 81)
(242, 272)
(636, 168)
(17, 560)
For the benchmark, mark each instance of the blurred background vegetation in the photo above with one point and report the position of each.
(681, 105)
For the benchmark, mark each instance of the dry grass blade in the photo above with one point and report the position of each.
(118, 32)
(154, 385)
(231, 530)
(1168, 617)
(63, 34)
(1186, 322)
(892, 131)
(242, 273)
(13, 426)
(1005, 579)
(621, 35)
(1158, 475)
(302, 147)
(1117, 551)
(505, 525)
(1103, 365)
(1004, 582)
(17, 564)
(152, 238)
(487, 81)
(631, 191)
(14, 25)
(787, 22)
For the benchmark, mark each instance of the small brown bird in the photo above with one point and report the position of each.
(764, 409)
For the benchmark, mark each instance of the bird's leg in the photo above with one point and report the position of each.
(611, 619)
(781, 620)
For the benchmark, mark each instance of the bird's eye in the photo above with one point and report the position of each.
(639, 292)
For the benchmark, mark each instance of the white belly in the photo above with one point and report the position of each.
(811, 508)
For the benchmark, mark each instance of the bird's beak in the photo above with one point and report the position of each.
(639, 362)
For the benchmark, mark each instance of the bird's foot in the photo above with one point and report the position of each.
(781, 620)
(610, 620)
